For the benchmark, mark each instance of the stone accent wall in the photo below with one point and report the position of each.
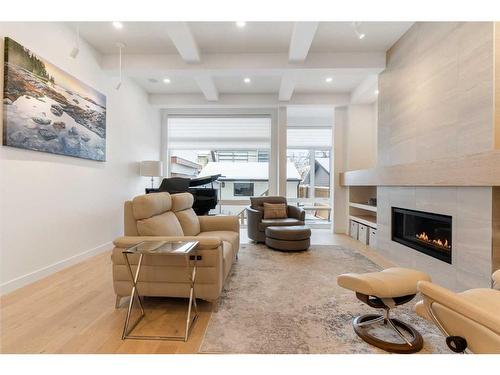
(470, 208)
(436, 101)
(436, 94)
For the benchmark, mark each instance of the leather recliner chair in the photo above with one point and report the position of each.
(469, 320)
(257, 224)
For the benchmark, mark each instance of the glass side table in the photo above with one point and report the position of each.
(186, 249)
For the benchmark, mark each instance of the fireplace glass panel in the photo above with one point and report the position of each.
(426, 232)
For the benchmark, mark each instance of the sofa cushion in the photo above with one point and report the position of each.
(232, 237)
(148, 205)
(275, 211)
(189, 222)
(278, 223)
(165, 224)
(181, 201)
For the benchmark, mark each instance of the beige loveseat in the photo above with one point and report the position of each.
(161, 216)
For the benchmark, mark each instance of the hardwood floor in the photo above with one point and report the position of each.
(72, 311)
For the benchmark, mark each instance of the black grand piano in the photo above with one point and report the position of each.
(205, 198)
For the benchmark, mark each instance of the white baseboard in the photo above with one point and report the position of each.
(31, 277)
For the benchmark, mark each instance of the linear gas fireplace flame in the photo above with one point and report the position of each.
(426, 232)
(423, 237)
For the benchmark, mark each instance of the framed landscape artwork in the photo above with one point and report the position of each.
(46, 109)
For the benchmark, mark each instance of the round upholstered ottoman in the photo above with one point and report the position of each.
(292, 238)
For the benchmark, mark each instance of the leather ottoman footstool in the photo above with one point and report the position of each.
(292, 238)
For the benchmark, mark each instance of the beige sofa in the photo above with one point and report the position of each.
(161, 216)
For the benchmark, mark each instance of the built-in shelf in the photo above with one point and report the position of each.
(363, 206)
(358, 207)
(368, 220)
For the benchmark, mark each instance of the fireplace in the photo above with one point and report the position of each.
(426, 232)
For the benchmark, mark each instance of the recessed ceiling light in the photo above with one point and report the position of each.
(376, 92)
(241, 24)
(118, 25)
(359, 34)
(247, 80)
(329, 79)
(166, 80)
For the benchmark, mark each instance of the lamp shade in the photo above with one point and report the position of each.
(151, 168)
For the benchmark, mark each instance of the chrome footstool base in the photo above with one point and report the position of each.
(413, 341)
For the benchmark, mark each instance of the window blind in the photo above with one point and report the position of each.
(309, 137)
(220, 133)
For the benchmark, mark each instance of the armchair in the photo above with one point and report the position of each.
(257, 224)
(469, 320)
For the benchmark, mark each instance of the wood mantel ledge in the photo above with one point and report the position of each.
(481, 169)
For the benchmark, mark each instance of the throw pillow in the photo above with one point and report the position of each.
(275, 211)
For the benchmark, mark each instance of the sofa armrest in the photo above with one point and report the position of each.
(296, 212)
(214, 223)
(254, 214)
(205, 243)
(496, 279)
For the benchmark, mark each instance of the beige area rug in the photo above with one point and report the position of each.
(277, 302)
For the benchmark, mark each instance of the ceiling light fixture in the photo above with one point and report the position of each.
(117, 25)
(166, 80)
(241, 24)
(329, 80)
(359, 34)
(120, 47)
(376, 92)
(76, 49)
(247, 80)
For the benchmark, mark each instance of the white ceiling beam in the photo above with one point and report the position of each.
(207, 86)
(287, 86)
(181, 36)
(245, 100)
(302, 37)
(366, 91)
(250, 62)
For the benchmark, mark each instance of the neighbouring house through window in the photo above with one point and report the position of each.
(235, 147)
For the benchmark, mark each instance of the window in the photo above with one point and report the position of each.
(243, 189)
(237, 148)
(309, 152)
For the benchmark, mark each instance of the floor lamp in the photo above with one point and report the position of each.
(151, 168)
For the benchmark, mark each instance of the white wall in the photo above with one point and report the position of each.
(361, 136)
(340, 193)
(57, 210)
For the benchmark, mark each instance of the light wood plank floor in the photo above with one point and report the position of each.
(72, 311)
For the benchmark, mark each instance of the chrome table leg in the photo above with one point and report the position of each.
(134, 292)
(192, 299)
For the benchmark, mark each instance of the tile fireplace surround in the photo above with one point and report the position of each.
(471, 210)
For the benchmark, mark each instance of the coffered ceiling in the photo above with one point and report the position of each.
(214, 58)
